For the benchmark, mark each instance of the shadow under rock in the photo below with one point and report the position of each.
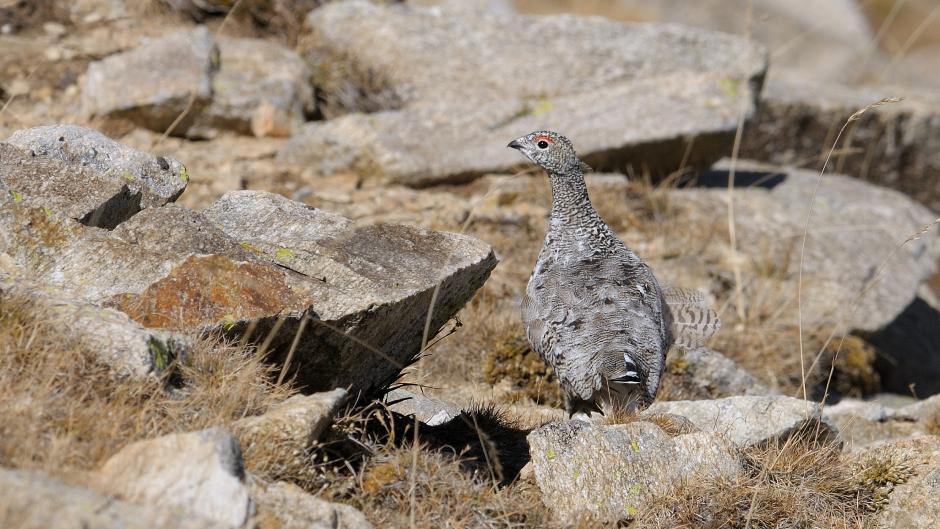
(718, 178)
(909, 351)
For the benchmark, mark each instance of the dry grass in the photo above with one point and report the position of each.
(61, 410)
(796, 483)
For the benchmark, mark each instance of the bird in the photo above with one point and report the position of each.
(593, 310)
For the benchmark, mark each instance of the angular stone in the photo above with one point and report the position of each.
(609, 472)
(199, 472)
(86, 175)
(669, 83)
(262, 265)
(855, 234)
(752, 420)
(706, 374)
(36, 501)
(288, 430)
(428, 410)
(896, 145)
(285, 506)
(152, 85)
(375, 283)
(258, 82)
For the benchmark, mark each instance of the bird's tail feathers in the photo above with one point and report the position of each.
(692, 320)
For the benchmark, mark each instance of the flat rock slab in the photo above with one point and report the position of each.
(856, 274)
(428, 410)
(86, 175)
(896, 145)
(610, 471)
(35, 501)
(199, 472)
(668, 84)
(154, 84)
(356, 298)
(751, 420)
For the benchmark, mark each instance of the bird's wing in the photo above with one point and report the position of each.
(691, 320)
(598, 322)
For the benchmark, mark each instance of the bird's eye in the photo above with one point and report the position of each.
(543, 144)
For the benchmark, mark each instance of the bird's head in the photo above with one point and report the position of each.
(550, 151)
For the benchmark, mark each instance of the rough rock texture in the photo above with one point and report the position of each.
(854, 230)
(86, 175)
(863, 423)
(609, 472)
(668, 83)
(751, 420)
(912, 504)
(706, 374)
(200, 472)
(896, 145)
(150, 86)
(286, 506)
(289, 429)
(259, 263)
(821, 40)
(35, 501)
(261, 88)
(372, 286)
(428, 410)
(119, 342)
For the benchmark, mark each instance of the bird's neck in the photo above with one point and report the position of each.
(570, 202)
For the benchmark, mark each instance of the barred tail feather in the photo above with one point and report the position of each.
(692, 321)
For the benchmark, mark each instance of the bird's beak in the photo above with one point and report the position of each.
(515, 144)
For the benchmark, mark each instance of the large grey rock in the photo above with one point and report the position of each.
(610, 472)
(36, 501)
(152, 85)
(286, 506)
(503, 78)
(856, 229)
(821, 40)
(750, 420)
(199, 472)
(281, 438)
(896, 145)
(261, 88)
(256, 266)
(86, 175)
(863, 423)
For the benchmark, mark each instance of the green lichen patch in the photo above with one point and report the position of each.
(513, 359)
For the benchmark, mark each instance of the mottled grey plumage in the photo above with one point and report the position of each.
(593, 310)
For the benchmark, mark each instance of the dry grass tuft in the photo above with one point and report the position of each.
(61, 410)
(796, 483)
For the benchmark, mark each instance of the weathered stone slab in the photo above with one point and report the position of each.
(428, 410)
(609, 472)
(261, 264)
(751, 420)
(198, 472)
(856, 274)
(706, 374)
(896, 145)
(503, 78)
(153, 84)
(36, 501)
(86, 175)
